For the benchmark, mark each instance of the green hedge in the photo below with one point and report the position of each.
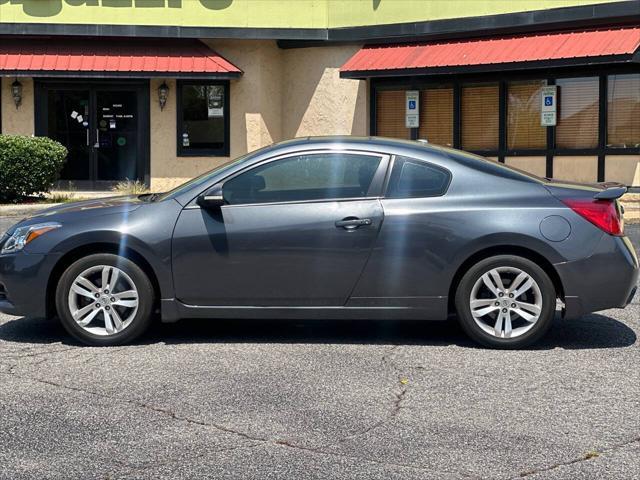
(28, 166)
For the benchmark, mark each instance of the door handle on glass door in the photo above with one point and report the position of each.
(351, 223)
(97, 144)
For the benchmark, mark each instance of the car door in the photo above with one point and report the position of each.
(409, 266)
(296, 230)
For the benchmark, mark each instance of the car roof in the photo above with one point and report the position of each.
(442, 156)
(349, 140)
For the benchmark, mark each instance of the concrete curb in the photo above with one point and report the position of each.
(22, 210)
(631, 204)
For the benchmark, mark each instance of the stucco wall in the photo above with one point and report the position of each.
(577, 169)
(316, 101)
(17, 121)
(622, 168)
(535, 165)
(255, 108)
(282, 94)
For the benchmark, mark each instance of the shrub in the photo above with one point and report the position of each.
(28, 166)
(129, 187)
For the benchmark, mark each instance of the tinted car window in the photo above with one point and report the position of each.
(304, 177)
(413, 178)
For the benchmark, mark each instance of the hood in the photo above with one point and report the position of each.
(95, 207)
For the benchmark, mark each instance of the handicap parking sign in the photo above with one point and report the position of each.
(548, 112)
(412, 104)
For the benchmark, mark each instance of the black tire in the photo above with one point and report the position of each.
(463, 307)
(143, 315)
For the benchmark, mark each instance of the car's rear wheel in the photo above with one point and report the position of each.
(104, 299)
(506, 301)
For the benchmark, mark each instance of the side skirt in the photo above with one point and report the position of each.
(434, 309)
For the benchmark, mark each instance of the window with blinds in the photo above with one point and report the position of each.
(436, 115)
(524, 131)
(390, 114)
(623, 111)
(578, 113)
(480, 116)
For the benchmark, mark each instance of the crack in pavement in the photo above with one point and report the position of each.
(370, 460)
(20, 353)
(136, 403)
(397, 405)
(573, 461)
(262, 440)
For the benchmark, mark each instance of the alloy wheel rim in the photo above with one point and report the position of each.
(506, 302)
(103, 300)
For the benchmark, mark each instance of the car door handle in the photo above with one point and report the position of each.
(351, 223)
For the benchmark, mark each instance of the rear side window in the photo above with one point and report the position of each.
(412, 178)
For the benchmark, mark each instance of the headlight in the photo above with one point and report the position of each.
(23, 235)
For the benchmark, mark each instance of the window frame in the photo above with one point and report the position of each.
(392, 164)
(550, 151)
(375, 189)
(203, 152)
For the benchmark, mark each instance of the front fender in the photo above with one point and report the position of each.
(146, 232)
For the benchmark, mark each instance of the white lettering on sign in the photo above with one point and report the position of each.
(549, 106)
(412, 117)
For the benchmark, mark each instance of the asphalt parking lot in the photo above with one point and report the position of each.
(293, 400)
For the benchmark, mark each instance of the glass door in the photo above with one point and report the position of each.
(104, 127)
(116, 142)
(68, 123)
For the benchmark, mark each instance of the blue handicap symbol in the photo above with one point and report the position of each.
(548, 101)
(412, 104)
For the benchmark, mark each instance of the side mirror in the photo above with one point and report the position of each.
(211, 200)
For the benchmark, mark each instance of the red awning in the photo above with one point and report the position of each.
(106, 57)
(505, 52)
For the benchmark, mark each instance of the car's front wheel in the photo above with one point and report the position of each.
(104, 299)
(506, 301)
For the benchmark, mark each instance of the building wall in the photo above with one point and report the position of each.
(262, 13)
(535, 165)
(18, 121)
(282, 94)
(316, 101)
(576, 168)
(255, 109)
(344, 13)
(622, 168)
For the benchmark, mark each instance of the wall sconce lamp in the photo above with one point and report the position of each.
(163, 94)
(16, 93)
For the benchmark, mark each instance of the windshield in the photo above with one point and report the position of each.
(205, 178)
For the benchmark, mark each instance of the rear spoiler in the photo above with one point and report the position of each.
(611, 193)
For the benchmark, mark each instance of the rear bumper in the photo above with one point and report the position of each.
(606, 279)
(23, 282)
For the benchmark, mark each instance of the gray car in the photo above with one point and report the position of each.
(328, 228)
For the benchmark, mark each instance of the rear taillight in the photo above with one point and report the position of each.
(604, 214)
